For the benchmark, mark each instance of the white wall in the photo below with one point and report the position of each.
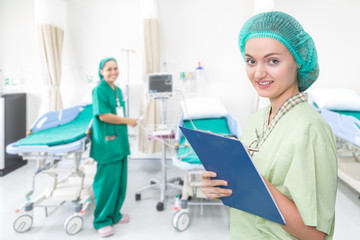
(333, 24)
(191, 31)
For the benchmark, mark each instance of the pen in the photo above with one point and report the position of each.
(253, 149)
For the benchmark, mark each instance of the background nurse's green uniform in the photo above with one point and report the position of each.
(111, 156)
(299, 159)
(102, 150)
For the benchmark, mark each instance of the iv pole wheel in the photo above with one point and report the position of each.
(160, 206)
(137, 196)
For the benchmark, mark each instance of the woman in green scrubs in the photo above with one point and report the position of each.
(109, 148)
(297, 150)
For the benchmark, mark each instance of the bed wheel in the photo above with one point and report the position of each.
(160, 206)
(152, 182)
(181, 220)
(73, 225)
(137, 196)
(23, 223)
(183, 204)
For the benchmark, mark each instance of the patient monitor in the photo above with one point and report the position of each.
(160, 85)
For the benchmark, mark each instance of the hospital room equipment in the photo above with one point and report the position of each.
(199, 73)
(160, 85)
(208, 114)
(341, 109)
(12, 127)
(56, 136)
(160, 88)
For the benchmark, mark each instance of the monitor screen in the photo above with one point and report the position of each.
(160, 83)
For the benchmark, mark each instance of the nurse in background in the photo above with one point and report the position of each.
(109, 148)
(297, 150)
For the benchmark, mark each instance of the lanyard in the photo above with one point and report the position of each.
(117, 98)
(269, 126)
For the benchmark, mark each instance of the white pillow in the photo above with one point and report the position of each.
(198, 108)
(336, 99)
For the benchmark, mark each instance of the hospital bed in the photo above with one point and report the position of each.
(55, 136)
(212, 116)
(341, 109)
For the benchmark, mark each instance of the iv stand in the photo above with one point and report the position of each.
(127, 51)
(162, 184)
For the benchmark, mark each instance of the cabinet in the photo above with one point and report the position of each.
(12, 128)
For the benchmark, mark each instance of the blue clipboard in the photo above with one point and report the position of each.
(232, 163)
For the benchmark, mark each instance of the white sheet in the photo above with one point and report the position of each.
(336, 99)
(199, 108)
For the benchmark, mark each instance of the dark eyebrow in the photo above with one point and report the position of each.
(267, 55)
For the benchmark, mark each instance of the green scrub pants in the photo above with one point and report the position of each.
(109, 189)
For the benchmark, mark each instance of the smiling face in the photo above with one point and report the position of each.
(110, 72)
(271, 69)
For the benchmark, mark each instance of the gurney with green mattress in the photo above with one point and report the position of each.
(340, 107)
(54, 137)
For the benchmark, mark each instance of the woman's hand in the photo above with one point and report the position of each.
(132, 122)
(210, 187)
(114, 119)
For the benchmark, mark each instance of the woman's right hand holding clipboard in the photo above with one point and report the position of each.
(211, 187)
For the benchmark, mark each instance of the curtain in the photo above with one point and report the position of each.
(150, 108)
(50, 22)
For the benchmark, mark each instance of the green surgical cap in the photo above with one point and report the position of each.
(288, 31)
(102, 65)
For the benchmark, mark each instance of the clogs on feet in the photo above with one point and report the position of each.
(124, 219)
(106, 231)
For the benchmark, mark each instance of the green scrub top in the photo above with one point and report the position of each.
(299, 159)
(109, 142)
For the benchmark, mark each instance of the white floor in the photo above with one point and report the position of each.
(146, 221)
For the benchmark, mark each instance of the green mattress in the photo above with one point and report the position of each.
(215, 125)
(67, 133)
